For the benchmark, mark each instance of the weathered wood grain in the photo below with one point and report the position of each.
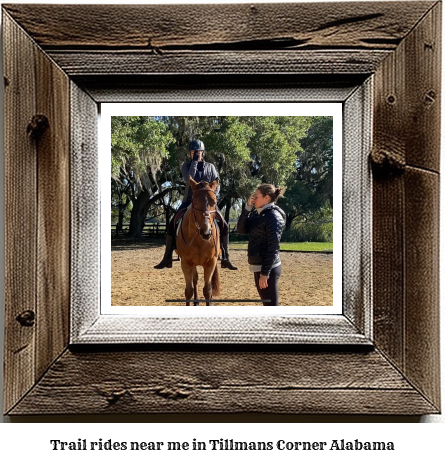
(223, 382)
(187, 382)
(422, 281)
(401, 375)
(37, 226)
(112, 329)
(119, 62)
(388, 268)
(389, 157)
(423, 91)
(219, 87)
(407, 116)
(377, 25)
(20, 213)
(406, 133)
(85, 212)
(53, 196)
(357, 209)
(388, 201)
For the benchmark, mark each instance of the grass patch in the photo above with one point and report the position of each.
(297, 246)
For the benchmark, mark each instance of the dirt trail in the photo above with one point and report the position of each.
(306, 278)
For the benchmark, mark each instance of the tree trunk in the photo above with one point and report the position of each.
(122, 207)
(120, 221)
(138, 215)
(289, 219)
(140, 209)
(227, 212)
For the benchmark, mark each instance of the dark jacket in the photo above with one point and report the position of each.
(264, 232)
(190, 168)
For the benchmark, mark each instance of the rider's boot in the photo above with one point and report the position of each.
(225, 262)
(167, 260)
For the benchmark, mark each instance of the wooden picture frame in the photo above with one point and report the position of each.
(57, 70)
(99, 323)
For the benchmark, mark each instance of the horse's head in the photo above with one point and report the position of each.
(204, 203)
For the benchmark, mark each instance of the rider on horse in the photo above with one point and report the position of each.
(199, 170)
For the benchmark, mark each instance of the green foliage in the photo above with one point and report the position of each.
(315, 161)
(231, 138)
(309, 188)
(227, 147)
(138, 145)
(294, 152)
(300, 198)
(315, 228)
(255, 150)
(309, 232)
(275, 145)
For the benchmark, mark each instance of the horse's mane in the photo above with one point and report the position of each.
(202, 185)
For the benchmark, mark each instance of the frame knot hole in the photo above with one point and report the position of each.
(430, 97)
(37, 126)
(153, 48)
(388, 162)
(172, 393)
(26, 318)
(113, 395)
(391, 99)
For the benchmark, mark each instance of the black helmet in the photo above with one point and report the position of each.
(196, 145)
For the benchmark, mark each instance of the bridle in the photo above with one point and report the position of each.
(206, 214)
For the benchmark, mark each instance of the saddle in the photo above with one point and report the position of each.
(177, 219)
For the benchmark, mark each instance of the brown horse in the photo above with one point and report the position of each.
(198, 242)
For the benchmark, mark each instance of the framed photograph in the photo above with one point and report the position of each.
(373, 347)
(293, 145)
(137, 290)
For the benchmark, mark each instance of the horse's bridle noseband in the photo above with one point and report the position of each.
(206, 213)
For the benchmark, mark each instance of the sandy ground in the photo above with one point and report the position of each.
(306, 278)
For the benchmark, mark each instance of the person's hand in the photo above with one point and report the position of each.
(251, 200)
(263, 281)
(196, 156)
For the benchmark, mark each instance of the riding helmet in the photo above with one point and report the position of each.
(196, 145)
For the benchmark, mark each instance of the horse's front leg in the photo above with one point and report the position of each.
(188, 275)
(195, 285)
(209, 267)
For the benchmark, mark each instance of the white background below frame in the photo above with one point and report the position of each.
(233, 109)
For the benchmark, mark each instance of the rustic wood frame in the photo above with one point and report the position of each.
(90, 324)
(66, 58)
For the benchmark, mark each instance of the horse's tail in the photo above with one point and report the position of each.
(216, 283)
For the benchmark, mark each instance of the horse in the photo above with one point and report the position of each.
(197, 242)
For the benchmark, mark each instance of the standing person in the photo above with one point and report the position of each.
(264, 227)
(199, 170)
